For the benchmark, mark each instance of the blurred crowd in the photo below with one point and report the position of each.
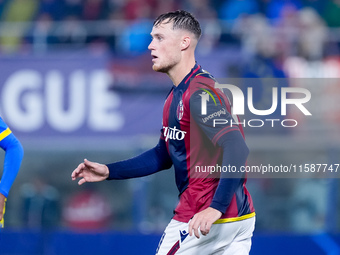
(270, 26)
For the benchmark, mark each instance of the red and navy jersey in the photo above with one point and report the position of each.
(194, 142)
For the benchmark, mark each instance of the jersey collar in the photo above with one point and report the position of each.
(185, 82)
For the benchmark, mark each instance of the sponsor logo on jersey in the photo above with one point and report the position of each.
(214, 114)
(173, 133)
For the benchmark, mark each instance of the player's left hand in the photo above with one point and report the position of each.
(203, 221)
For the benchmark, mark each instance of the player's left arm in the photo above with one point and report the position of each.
(13, 157)
(235, 152)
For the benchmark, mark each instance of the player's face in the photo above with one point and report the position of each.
(165, 47)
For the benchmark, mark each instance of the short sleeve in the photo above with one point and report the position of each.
(4, 132)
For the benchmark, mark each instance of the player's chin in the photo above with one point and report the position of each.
(156, 68)
(159, 68)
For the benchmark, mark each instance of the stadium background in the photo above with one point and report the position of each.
(76, 82)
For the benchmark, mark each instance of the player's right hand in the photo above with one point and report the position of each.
(90, 172)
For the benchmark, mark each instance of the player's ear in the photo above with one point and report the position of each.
(185, 43)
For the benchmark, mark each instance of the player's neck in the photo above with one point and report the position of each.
(178, 72)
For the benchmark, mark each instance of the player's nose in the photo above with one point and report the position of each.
(151, 46)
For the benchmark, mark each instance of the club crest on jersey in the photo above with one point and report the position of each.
(180, 110)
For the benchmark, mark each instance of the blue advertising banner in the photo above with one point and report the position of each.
(57, 97)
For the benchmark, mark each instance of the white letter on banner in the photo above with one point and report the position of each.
(71, 117)
(22, 89)
(104, 115)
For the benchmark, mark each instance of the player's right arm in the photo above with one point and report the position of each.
(13, 157)
(147, 163)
